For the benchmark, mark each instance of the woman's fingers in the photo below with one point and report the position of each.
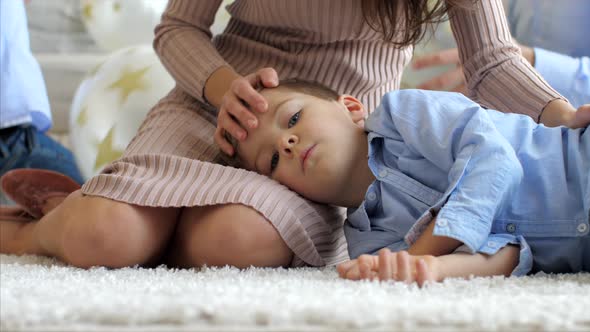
(238, 110)
(228, 122)
(244, 91)
(268, 77)
(445, 57)
(223, 144)
(248, 92)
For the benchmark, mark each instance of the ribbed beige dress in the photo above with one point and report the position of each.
(172, 160)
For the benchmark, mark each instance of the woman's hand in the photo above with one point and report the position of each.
(399, 266)
(237, 104)
(561, 113)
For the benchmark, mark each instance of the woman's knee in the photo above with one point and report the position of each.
(231, 234)
(113, 234)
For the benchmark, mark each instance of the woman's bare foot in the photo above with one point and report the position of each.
(51, 203)
(17, 238)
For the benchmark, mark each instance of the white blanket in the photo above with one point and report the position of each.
(38, 293)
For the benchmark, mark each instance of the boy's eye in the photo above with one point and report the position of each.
(293, 120)
(274, 161)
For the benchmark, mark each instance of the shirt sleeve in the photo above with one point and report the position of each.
(497, 75)
(495, 242)
(183, 43)
(459, 137)
(23, 94)
(568, 75)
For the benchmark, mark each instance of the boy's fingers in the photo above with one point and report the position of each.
(404, 272)
(342, 268)
(385, 272)
(365, 263)
(423, 274)
(365, 271)
(353, 273)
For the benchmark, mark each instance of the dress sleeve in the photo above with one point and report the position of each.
(183, 43)
(497, 75)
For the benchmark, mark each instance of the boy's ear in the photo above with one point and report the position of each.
(357, 110)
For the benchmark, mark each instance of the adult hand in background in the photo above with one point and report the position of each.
(453, 80)
(238, 102)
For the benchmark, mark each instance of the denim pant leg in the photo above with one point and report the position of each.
(26, 147)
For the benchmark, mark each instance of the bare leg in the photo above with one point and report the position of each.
(86, 231)
(231, 234)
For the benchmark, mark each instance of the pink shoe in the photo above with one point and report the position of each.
(31, 188)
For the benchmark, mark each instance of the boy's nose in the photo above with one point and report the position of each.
(287, 144)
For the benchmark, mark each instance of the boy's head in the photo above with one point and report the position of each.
(311, 139)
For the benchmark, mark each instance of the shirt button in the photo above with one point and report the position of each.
(582, 228)
(441, 223)
(491, 244)
(511, 228)
(371, 196)
(383, 173)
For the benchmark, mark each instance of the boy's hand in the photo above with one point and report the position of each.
(234, 116)
(399, 266)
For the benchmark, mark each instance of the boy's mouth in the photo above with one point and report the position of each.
(306, 154)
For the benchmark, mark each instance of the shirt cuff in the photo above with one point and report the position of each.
(453, 224)
(495, 242)
(557, 69)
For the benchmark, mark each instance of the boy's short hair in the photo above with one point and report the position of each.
(302, 86)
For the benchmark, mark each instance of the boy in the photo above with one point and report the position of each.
(442, 173)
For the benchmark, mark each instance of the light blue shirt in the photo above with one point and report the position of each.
(490, 178)
(23, 98)
(558, 30)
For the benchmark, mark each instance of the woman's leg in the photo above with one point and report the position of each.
(229, 234)
(87, 231)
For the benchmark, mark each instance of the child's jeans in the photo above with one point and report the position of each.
(25, 147)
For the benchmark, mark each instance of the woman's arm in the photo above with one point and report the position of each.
(183, 43)
(497, 75)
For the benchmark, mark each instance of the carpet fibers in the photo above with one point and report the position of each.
(41, 294)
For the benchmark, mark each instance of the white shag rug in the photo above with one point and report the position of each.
(41, 294)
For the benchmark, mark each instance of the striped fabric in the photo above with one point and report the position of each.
(173, 161)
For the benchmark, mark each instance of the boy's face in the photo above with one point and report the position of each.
(309, 144)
